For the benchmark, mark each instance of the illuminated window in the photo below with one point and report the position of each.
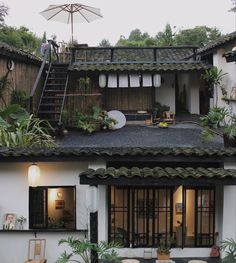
(52, 207)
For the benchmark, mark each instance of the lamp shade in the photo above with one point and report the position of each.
(157, 80)
(102, 80)
(33, 175)
(92, 199)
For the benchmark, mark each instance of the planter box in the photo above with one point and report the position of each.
(163, 256)
(229, 142)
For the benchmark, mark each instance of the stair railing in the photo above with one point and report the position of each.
(50, 53)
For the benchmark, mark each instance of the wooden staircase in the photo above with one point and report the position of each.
(53, 96)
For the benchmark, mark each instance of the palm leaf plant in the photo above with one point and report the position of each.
(214, 77)
(20, 129)
(229, 246)
(219, 121)
(81, 250)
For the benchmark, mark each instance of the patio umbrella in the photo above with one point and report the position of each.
(71, 13)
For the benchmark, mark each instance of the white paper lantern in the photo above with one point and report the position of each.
(102, 80)
(92, 199)
(33, 175)
(157, 80)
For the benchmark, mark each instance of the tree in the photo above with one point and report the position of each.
(136, 38)
(166, 38)
(198, 36)
(3, 13)
(104, 43)
(20, 38)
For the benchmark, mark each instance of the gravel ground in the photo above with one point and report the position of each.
(180, 135)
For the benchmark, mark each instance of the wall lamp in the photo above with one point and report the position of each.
(33, 175)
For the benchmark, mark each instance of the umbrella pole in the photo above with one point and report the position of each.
(72, 29)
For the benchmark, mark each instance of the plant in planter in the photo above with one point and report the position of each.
(81, 249)
(163, 250)
(229, 246)
(21, 220)
(213, 78)
(219, 121)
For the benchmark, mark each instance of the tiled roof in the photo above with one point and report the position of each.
(121, 54)
(145, 66)
(221, 41)
(103, 152)
(159, 172)
(11, 52)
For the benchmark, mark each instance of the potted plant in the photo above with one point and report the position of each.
(163, 250)
(82, 249)
(219, 121)
(213, 78)
(229, 247)
(21, 220)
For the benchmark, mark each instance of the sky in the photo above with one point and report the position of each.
(122, 16)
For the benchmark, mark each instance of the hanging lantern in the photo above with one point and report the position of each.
(102, 80)
(33, 175)
(92, 199)
(157, 80)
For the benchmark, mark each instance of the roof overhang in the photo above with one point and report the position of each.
(158, 176)
(142, 66)
(128, 154)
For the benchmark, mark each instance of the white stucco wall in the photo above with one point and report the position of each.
(229, 80)
(191, 82)
(14, 199)
(166, 93)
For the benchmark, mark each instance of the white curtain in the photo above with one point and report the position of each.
(112, 81)
(147, 80)
(134, 80)
(123, 81)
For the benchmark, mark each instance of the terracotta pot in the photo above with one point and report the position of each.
(163, 256)
(229, 142)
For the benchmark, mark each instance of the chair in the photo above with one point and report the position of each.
(36, 251)
(169, 117)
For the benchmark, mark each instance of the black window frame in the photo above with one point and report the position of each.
(130, 223)
(131, 240)
(197, 189)
(34, 215)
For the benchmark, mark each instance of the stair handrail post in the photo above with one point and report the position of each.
(38, 78)
(54, 47)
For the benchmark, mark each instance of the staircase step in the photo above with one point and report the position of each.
(55, 84)
(52, 97)
(49, 112)
(50, 104)
(53, 90)
(57, 79)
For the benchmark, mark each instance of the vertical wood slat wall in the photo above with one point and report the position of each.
(21, 78)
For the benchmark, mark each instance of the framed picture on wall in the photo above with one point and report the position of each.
(59, 204)
(9, 222)
(179, 208)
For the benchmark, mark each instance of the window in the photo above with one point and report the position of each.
(52, 207)
(140, 216)
(194, 216)
(148, 216)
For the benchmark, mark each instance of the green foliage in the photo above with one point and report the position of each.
(3, 13)
(83, 248)
(19, 129)
(5, 85)
(86, 126)
(21, 98)
(21, 38)
(229, 246)
(158, 110)
(218, 121)
(165, 246)
(198, 36)
(165, 38)
(213, 77)
(104, 43)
